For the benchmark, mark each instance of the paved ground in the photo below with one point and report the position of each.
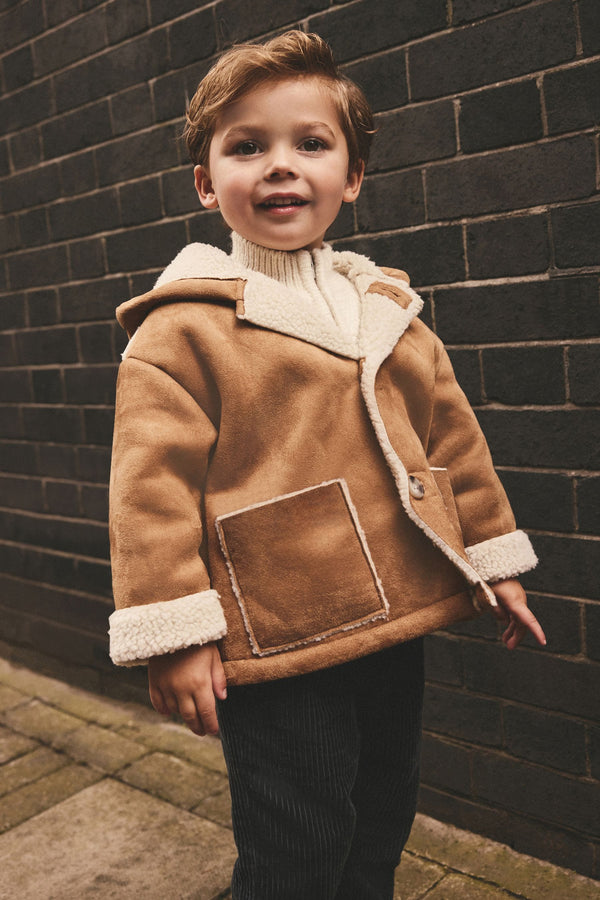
(106, 800)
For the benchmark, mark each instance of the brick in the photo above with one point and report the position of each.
(61, 606)
(125, 20)
(29, 768)
(496, 49)
(550, 740)
(540, 500)
(48, 386)
(12, 315)
(526, 789)
(391, 201)
(93, 384)
(98, 425)
(93, 464)
(498, 117)
(94, 502)
(133, 62)
(86, 259)
(131, 110)
(21, 493)
(38, 267)
(429, 255)
(443, 659)
(33, 188)
(60, 10)
(7, 349)
(9, 233)
(517, 245)
(343, 226)
(138, 154)
(574, 229)
(92, 299)
(173, 780)
(504, 381)
(414, 135)
(445, 765)
(69, 43)
(236, 21)
(561, 621)
(57, 460)
(26, 148)
(78, 174)
(170, 93)
(34, 798)
(552, 438)
(595, 752)
(179, 192)
(11, 421)
(62, 498)
(572, 97)
(20, 23)
(76, 130)
(161, 10)
(468, 10)
(588, 504)
(464, 716)
(141, 201)
(353, 30)
(556, 309)
(589, 21)
(4, 160)
(141, 248)
(33, 227)
(42, 307)
(96, 344)
(17, 457)
(382, 78)
(51, 423)
(584, 374)
(504, 180)
(466, 368)
(22, 108)
(194, 36)
(47, 345)
(17, 68)
(85, 215)
(14, 386)
(568, 566)
(531, 677)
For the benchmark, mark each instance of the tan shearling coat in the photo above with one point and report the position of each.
(303, 497)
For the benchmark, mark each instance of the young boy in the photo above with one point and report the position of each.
(299, 489)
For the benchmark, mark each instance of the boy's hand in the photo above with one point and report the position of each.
(512, 608)
(186, 683)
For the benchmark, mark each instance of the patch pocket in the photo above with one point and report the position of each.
(444, 486)
(300, 568)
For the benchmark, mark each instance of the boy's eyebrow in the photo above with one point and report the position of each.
(249, 128)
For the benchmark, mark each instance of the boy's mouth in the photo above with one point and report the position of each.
(282, 201)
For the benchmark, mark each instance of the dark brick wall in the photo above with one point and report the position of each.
(483, 185)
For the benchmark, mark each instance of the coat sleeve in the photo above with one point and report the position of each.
(163, 596)
(496, 549)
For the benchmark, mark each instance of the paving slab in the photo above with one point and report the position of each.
(177, 740)
(457, 887)
(40, 795)
(415, 876)
(38, 720)
(498, 864)
(13, 745)
(111, 841)
(10, 697)
(217, 808)
(100, 747)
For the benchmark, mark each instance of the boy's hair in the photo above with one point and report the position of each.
(245, 66)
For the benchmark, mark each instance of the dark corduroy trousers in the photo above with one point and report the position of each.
(324, 772)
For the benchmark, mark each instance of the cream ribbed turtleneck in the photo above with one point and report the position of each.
(310, 274)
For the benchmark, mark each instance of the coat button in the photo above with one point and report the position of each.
(416, 487)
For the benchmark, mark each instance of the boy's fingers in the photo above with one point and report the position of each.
(158, 701)
(219, 681)
(207, 714)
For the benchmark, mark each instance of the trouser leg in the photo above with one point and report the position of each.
(291, 749)
(389, 699)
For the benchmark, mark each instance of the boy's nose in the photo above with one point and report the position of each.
(280, 165)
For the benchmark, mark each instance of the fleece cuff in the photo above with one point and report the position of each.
(502, 557)
(139, 632)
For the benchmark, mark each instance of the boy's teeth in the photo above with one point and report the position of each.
(283, 201)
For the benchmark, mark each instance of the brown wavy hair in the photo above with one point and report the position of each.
(292, 54)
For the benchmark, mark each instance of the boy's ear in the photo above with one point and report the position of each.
(353, 183)
(204, 188)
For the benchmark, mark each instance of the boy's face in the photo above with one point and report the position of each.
(278, 165)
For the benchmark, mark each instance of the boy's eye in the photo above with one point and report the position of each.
(311, 145)
(247, 148)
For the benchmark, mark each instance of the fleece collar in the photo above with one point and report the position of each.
(201, 272)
